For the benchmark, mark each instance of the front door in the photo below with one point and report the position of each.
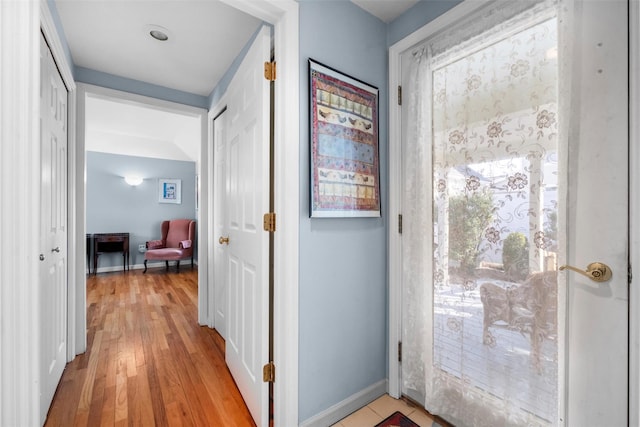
(515, 148)
(53, 243)
(247, 200)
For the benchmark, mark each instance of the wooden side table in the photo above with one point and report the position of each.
(110, 243)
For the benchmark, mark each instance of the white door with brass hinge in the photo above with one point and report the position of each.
(247, 244)
(53, 244)
(513, 177)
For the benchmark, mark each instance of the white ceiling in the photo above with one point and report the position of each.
(386, 10)
(205, 36)
(134, 130)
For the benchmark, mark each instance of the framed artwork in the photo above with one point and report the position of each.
(345, 169)
(169, 191)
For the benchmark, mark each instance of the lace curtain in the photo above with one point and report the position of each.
(480, 245)
(416, 219)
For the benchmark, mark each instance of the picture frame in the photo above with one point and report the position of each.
(169, 191)
(344, 141)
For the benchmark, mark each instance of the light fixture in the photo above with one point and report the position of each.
(133, 180)
(158, 33)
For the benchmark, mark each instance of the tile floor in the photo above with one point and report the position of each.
(380, 409)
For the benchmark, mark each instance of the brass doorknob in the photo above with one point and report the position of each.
(223, 240)
(596, 271)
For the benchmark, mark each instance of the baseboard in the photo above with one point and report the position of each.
(172, 265)
(349, 405)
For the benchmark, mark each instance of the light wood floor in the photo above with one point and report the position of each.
(147, 361)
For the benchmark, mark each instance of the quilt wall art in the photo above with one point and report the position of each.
(345, 172)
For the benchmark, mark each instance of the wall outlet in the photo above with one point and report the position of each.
(142, 248)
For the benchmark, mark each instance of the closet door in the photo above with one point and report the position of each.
(53, 245)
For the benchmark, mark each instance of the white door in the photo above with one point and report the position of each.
(53, 245)
(246, 203)
(220, 179)
(524, 157)
(597, 227)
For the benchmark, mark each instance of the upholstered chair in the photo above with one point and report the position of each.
(178, 238)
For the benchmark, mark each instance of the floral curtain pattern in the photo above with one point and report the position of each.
(490, 346)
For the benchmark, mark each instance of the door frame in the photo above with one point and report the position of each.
(20, 159)
(395, 195)
(634, 208)
(84, 91)
(283, 15)
(20, 27)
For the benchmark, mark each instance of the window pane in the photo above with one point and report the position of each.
(495, 207)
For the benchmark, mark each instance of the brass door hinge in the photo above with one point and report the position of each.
(399, 95)
(270, 71)
(400, 351)
(269, 373)
(269, 222)
(400, 223)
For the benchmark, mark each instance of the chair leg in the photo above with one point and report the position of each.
(178, 265)
(192, 262)
(166, 263)
(145, 266)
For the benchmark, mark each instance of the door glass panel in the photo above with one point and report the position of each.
(495, 203)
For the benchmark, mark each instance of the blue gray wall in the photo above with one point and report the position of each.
(343, 274)
(113, 206)
(98, 78)
(422, 13)
(223, 84)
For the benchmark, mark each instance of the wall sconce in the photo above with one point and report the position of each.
(133, 180)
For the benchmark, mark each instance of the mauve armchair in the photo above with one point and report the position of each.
(178, 237)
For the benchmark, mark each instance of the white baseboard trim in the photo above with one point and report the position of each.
(349, 405)
(172, 265)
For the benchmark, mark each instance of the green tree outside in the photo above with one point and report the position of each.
(469, 216)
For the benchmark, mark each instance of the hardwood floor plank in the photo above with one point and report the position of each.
(67, 389)
(148, 362)
(90, 378)
(194, 390)
(95, 411)
(121, 409)
(112, 354)
(108, 410)
(141, 413)
(179, 323)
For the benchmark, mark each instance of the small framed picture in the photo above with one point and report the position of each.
(345, 170)
(169, 191)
